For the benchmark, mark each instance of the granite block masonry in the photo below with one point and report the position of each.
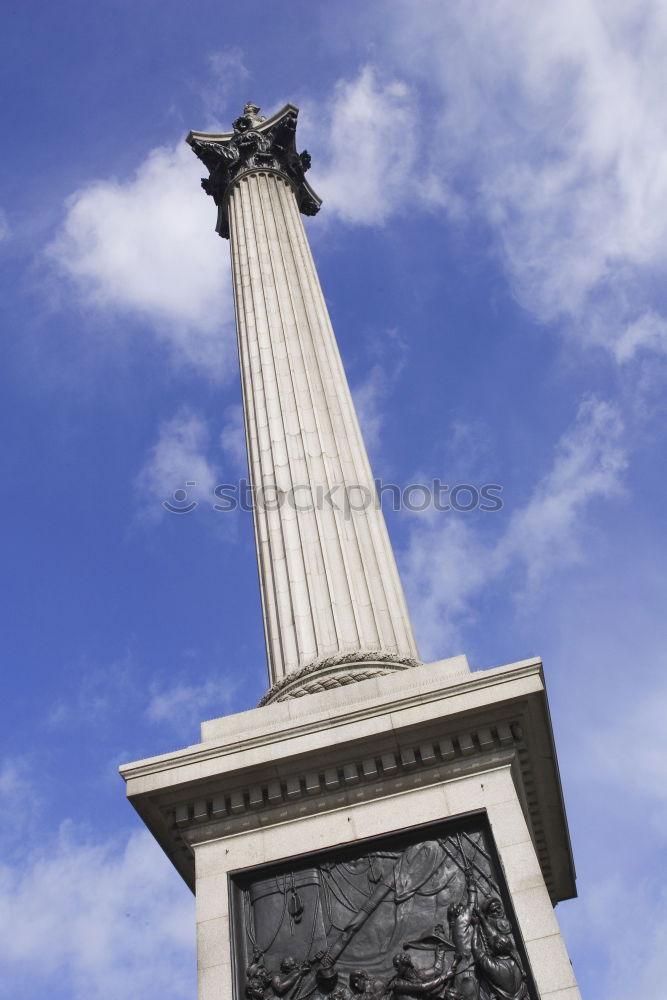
(377, 827)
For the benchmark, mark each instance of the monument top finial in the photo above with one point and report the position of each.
(251, 111)
(250, 118)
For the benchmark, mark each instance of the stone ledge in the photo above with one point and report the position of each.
(392, 735)
(274, 792)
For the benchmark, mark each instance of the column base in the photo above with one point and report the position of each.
(336, 671)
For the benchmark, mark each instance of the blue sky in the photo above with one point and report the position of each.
(492, 246)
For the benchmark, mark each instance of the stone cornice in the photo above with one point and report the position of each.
(366, 776)
(265, 726)
(386, 741)
(255, 145)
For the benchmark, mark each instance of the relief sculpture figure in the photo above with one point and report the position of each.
(258, 977)
(410, 982)
(495, 953)
(291, 973)
(462, 918)
(361, 984)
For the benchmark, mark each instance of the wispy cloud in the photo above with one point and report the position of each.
(13, 779)
(362, 170)
(183, 704)
(621, 767)
(642, 900)
(5, 228)
(103, 689)
(227, 73)
(649, 332)
(232, 437)
(630, 752)
(20, 798)
(96, 919)
(590, 459)
(448, 563)
(177, 462)
(144, 248)
(387, 353)
(544, 121)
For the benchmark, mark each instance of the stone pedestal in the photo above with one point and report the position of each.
(433, 759)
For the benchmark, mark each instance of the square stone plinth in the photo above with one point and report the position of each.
(363, 761)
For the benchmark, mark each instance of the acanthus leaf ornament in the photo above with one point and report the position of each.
(255, 144)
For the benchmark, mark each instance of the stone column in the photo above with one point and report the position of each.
(332, 600)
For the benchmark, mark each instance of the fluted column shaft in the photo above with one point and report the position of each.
(329, 584)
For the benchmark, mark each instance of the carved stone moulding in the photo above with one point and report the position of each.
(335, 671)
(422, 912)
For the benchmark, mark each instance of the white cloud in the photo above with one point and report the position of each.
(631, 753)
(5, 228)
(368, 149)
(101, 919)
(227, 71)
(621, 768)
(369, 395)
(20, 798)
(178, 462)
(372, 392)
(186, 465)
(183, 705)
(232, 436)
(145, 248)
(13, 780)
(619, 916)
(444, 566)
(647, 332)
(448, 563)
(545, 120)
(588, 467)
(102, 689)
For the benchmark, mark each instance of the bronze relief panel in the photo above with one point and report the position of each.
(423, 913)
